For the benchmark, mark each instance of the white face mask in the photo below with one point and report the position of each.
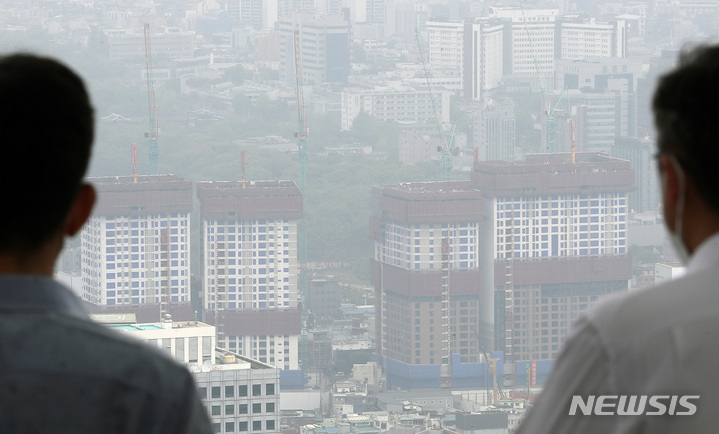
(675, 235)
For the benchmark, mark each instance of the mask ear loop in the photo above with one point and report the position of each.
(679, 213)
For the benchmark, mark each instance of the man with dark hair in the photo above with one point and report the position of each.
(647, 361)
(59, 371)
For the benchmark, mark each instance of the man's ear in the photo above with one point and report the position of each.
(80, 210)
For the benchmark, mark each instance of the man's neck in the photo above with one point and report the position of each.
(38, 262)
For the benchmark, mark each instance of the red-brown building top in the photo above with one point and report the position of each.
(251, 200)
(142, 195)
(550, 174)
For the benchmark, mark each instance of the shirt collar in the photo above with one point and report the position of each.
(705, 256)
(33, 292)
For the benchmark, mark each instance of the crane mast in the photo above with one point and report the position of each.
(154, 130)
(301, 159)
(447, 148)
(302, 114)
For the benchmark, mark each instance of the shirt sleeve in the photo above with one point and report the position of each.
(581, 369)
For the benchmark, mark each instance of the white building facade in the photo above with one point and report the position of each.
(402, 104)
(484, 66)
(136, 246)
(250, 267)
(241, 395)
(580, 40)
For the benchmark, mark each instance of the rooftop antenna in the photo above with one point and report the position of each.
(244, 179)
(134, 162)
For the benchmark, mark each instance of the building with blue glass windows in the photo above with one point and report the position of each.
(135, 249)
(558, 230)
(504, 262)
(250, 267)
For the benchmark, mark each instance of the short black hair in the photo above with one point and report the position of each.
(46, 135)
(686, 116)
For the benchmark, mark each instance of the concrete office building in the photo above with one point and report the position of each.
(484, 57)
(621, 76)
(582, 39)
(495, 130)
(325, 43)
(640, 152)
(250, 267)
(240, 394)
(445, 47)
(136, 247)
(559, 243)
(405, 104)
(530, 47)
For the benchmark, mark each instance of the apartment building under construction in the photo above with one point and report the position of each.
(250, 267)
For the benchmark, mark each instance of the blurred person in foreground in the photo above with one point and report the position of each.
(59, 371)
(654, 353)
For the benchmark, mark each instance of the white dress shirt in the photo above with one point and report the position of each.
(659, 341)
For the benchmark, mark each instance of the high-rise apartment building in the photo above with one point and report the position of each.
(506, 261)
(558, 224)
(250, 267)
(430, 305)
(325, 43)
(136, 246)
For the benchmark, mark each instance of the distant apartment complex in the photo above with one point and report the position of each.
(505, 261)
(128, 45)
(559, 244)
(136, 246)
(429, 302)
(250, 268)
(394, 104)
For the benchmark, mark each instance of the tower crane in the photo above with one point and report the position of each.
(301, 155)
(550, 121)
(447, 148)
(154, 131)
(302, 114)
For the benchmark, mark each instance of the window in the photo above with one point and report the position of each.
(270, 407)
(241, 390)
(229, 409)
(243, 426)
(256, 425)
(203, 392)
(216, 410)
(215, 391)
(269, 424)
(229, 427)
(256, 408)
(242, 409)
(270, 389)
(229, 391)
(256, 389)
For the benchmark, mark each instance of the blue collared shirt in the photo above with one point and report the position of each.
(62, 373)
